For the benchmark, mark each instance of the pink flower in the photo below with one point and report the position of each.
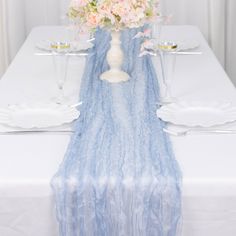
(147, 44)
(115, 14)
(145, 34)
(92, 20)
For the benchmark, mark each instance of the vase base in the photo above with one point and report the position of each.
(115, 76)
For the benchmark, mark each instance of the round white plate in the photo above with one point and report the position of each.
(196, 114)
(37, 115)
(187, 45)
(74, 46)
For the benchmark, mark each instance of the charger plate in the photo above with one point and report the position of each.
(197, 114)
(37, 115)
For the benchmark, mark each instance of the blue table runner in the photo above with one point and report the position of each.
(119, 176)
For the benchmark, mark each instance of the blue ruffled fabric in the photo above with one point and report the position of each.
(119, 176)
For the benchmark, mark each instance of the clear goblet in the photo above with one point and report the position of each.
(157, 26)
(168, 60)
(78, 34)
(60, 63)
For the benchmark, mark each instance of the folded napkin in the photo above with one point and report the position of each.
(119, 176)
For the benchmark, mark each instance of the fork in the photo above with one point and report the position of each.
(38, 132)
(67, 54)
(198, 131)
(177, 53)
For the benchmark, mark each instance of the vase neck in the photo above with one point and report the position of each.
(115, 35)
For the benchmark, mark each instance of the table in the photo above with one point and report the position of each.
(27, 162)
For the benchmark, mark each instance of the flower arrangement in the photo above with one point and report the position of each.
(113, 14)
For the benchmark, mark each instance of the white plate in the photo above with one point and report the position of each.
(187, 45)
(196, 114)
(74, 46)
(37, 115)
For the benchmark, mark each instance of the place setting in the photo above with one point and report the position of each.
(184, 117)
(56, 115)
(76, 42)
(156, 42)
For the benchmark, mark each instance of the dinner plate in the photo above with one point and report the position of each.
(37, 115)
(197, 114)
(74, 46)
(186, 45)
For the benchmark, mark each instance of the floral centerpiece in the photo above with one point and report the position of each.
(114, 15)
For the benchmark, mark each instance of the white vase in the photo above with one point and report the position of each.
(115, 58)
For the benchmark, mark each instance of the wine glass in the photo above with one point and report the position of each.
(167, 51)
(79, 34)
(60, 62)
(157, 26)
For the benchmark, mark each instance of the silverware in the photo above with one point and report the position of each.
(187, 53)
(38, 132)
(163, 103)
(198, 131)
(177, 53)
(67, 54)
(76, 105)
(91, 40)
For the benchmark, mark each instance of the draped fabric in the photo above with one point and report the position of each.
(4, 54)
(119, 176)
(18, 17)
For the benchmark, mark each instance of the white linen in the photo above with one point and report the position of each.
(207, 161)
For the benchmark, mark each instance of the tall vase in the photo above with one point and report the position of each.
(115, 58)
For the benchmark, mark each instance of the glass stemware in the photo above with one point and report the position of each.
(60, 63)
(77, 33)
(168, 60)
(157, 26)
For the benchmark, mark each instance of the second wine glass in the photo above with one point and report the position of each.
(60, 63)
(168, 61)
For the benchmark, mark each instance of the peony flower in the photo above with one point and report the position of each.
(92, 20)
(115, 14)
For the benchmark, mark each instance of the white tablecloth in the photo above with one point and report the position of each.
(27, 162)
